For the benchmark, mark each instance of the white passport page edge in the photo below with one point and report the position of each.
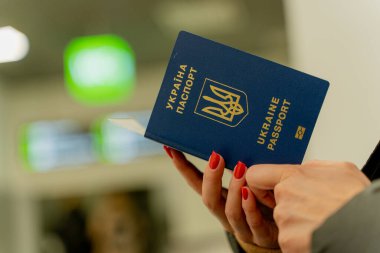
(129, 123)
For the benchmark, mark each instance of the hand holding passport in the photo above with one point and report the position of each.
(241, 109)
(248, 109)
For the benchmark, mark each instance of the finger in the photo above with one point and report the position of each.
(322, 163)
(212, 188)
(264, 232)
(191, 174)
(267, 176)
(253, 214)
(265, 197)
(262, 179)
(233, 210)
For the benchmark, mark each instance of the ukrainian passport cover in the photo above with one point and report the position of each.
(246, 108)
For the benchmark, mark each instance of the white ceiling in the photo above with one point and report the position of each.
(149, 25)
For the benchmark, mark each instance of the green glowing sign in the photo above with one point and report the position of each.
(99, 69)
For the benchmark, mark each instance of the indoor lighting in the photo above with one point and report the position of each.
(201, 17)
(14, 45)
(99, 69)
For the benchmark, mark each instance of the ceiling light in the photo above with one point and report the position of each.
(14, 45)
(201, 17)
(99, 69)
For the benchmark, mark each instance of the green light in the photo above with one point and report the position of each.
(99, 69)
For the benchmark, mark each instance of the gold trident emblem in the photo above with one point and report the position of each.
(228, 106)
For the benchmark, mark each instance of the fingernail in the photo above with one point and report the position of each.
(244, 193)
(239, 170)
(168, 151)
(214, 160)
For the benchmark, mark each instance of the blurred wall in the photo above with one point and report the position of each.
(339, 40)
(4, 198)
(2, 110)
(191, 226)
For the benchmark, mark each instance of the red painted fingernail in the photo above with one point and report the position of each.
(244, 193)
(168, 151)
(214, 160)
(239, 170)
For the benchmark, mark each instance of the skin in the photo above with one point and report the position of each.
(304, 196)
(250, 222)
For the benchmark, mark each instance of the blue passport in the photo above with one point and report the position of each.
(246, 108)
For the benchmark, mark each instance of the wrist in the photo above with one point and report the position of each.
(252, 248)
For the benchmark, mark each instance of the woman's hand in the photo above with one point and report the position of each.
(236, 209)
(305, 196)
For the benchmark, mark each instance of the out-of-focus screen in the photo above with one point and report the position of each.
(49, 145)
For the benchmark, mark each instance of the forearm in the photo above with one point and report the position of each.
(354, 228)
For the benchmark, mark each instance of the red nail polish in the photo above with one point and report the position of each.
(168, 151)
(214, 160)
(239, 170)
(244, 193)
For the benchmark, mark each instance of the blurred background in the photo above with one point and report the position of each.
(72, 182)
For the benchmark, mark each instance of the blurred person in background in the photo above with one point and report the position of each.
(319, 206)
(115, 225)
(109, 223)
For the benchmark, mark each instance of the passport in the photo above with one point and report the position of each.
(246, 108)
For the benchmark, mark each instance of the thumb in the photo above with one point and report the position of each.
(262, 179)
(267, 176)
